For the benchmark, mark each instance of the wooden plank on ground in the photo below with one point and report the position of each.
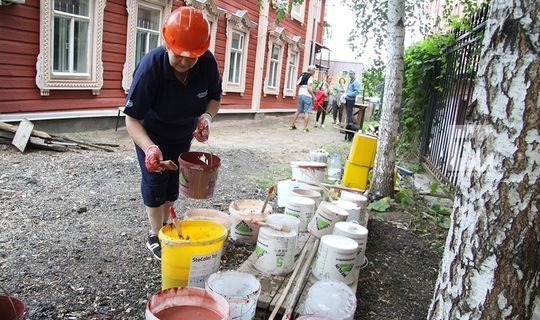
(22, 135)
(270, 284)
(11, 128)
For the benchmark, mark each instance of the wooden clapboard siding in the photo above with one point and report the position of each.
(19, 49)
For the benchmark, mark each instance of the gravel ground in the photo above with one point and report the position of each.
(73, 225)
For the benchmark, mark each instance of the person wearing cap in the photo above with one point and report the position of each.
(353, 89)
(305, 97)
(175, 93)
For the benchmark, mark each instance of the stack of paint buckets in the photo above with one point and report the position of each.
(360, 161)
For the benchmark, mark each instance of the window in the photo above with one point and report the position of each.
(148, 26)
(145, 19)
(275, 56)
(293, 61)
(212, 13)
(70, 45)
(236, 51)
(297, 12)
(276, 42)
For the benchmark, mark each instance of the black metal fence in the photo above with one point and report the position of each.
(441, 148)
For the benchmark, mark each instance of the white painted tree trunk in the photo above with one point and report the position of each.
(491, 264)
(383, 172)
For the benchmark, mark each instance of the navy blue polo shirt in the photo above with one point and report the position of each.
(168, 108)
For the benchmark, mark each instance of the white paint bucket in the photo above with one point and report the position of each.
(357, 233)
(280, 220)
(242, 213)
(301, 208)
(304, 192)
(336, 259)
(330, 299)
(355, 197)
(318, 156)
(308, 171)
(352, 208)
(210, 214)
(240, 289)
(275, 251)
(324, 219)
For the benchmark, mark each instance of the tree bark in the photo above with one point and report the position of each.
(491, 264)
(383, 172)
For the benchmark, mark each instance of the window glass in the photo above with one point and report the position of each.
(75, 7)
(148, 24)
(235, 61)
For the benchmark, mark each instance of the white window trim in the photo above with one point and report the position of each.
(132, 7)
(241, 23)
(294, 45)
(212, 13)
(45, 80)
(276, 36)
(296, 16)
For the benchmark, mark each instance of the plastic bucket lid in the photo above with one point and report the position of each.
(198, 173)
(309, 165)
(332, 299)
(11, 308)
(350, 230)
(186, 303)
(329, 208)
(339, 244)
(240, 289)
(300, 201)
(306, 193)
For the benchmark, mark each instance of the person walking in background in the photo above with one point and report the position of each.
(339, 101)
(306, 97)
(324, 90)
(175, 93)
(353, 89)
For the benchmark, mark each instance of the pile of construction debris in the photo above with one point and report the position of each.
(24, 136)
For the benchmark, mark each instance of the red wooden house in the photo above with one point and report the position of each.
(72, 58)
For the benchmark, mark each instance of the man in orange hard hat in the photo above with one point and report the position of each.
(175, 93)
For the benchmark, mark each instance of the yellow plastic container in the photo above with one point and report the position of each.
(363, 150)
(188, 262)
(355, 176)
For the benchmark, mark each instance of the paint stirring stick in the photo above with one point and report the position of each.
(270, 190)
(176, 222)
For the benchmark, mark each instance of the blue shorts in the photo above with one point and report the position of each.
(304, 103)
(156, 188)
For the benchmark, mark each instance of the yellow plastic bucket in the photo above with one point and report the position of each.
(188, 262)
(363, 150)
(355, 176)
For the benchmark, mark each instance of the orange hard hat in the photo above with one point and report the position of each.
(187, 32)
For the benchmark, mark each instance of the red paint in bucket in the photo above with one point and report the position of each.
(187, 303)
(11, 308)
(198, 174)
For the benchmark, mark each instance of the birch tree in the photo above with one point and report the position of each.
(491, 264)
(383, 184)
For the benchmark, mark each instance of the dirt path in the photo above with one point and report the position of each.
(73, 226)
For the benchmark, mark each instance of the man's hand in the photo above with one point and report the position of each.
(153, 158)
(202, 131)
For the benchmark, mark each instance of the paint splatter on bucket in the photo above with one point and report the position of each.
(240, 289)
(336, 259)
(191, 260)
(198, 174)
(308, 171)
(242, 213)
(11, 308)
(330, 299)
(186, 304)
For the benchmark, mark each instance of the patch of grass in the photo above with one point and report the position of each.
(366, 124)
(271, 176)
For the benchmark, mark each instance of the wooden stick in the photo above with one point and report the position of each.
(11, 128)
(291, 279)
(84, 143)
(333, 186)
(300, 282)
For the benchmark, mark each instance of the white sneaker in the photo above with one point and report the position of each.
(322, 126)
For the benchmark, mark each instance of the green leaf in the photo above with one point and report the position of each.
(445, 223)
(405, 196)
(433, 187)
(380, 205)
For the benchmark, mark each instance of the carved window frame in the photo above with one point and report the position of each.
(294, 45)
(275, 37)
(238, 22)
(212, 13)
(45, 79)
(132, 7)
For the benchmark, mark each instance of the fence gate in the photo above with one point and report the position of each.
(443, 132)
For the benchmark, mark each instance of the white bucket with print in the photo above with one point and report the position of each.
(357, 233)
(243, 212)
(330, 300)
(284, 189)
(275, 251)
(301, 208)
(355, 197)
(308, 193)
(240, 289)
(336, 259)
(281, 220)
(308, 171)
(318, 156)
(352, 208)
(324, 219)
